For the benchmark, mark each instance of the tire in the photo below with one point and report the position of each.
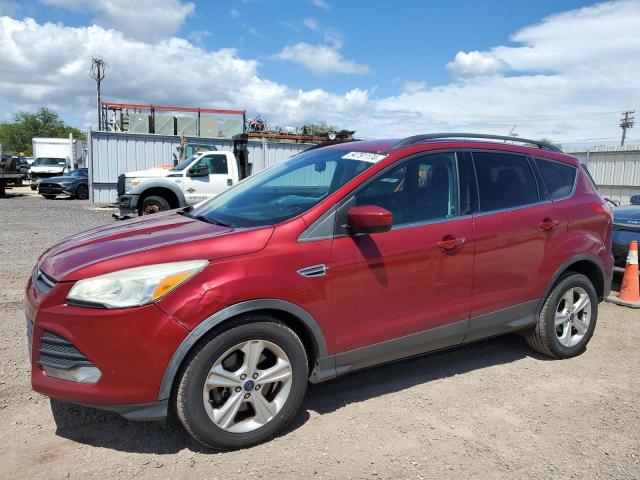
(49, 197)
(197, 417)
(82, 192)
(34, 187)
(546, 337)
(153, 204)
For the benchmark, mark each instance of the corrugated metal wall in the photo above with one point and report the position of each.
(111, 154)
(616, 170)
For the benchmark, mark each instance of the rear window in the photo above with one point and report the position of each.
(559, 178)
(504, 181)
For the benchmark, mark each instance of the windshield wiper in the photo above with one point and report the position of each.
(203, 218)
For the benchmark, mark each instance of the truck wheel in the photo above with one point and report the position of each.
(153, 204)
(244, 385)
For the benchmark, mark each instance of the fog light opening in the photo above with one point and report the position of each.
(77, 374)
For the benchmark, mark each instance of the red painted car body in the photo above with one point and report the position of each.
(376, 288)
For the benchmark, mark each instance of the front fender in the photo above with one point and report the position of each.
(160, 183)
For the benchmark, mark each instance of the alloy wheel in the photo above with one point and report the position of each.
(573, 315)
(247, 386)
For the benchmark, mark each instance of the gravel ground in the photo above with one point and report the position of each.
(493, 409)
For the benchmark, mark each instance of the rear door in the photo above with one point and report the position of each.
(517, 230)
(414, 278)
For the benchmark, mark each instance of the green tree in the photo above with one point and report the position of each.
(16, 137)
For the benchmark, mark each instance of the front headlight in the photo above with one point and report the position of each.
(134, 286)
(130, 184)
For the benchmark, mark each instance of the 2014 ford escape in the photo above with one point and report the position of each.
(341, 258)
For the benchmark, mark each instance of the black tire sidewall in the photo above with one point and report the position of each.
(196, 372)
(549, 309)
(82, 188)
(164, 205)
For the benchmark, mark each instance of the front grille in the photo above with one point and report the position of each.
(50, 187)
(120, 185)
(29, 335)
(45, 175)
(58, 352)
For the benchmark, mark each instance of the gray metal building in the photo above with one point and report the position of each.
(615, 169)
(112, 153)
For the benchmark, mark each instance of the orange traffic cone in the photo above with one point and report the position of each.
(630, 289)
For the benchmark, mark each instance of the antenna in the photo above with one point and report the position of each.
(98, 67)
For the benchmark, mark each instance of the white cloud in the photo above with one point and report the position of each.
(563, 73)
(321, 4)
(321, 59)
(139, 19)
(413, 86)
(476, 63)
(311, 24)
(234, 13)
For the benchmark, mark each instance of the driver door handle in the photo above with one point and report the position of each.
(449, 242)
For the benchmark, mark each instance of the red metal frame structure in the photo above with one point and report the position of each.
(106, 106)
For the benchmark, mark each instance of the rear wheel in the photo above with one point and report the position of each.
(153, 204)
(82, 192)
(244, 385)
(567, 319)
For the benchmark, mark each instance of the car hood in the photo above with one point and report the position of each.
(627, 214)
(152, 172)
(159, 238)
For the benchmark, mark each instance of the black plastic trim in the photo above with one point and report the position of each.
(139, 411)
(440, 136)
(232, 311)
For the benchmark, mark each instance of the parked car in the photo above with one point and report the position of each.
(74, 183)
(626, 227)
(341, 258)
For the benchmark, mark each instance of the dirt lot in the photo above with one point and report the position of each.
(490, 410)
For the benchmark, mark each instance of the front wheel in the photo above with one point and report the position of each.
(244, 385)
(567, 319)
(82, 192)
(153, 204)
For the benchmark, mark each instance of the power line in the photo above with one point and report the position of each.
(627, 121)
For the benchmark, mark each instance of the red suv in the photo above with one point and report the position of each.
(341, 258)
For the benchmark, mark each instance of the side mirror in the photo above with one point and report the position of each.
(199, 171)
(369, 219)
(635, 200)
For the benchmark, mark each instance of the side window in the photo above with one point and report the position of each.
(558, 178)
(422, 189)
(217, 164)
(504, 181)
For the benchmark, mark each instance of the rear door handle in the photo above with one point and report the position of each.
(548, 224)
(449, 242)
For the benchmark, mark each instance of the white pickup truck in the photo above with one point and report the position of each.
(199, 177)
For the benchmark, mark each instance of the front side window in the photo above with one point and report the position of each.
(419, 190)
(558, 178)
(504, 181)
(217, 164)
(283, 191)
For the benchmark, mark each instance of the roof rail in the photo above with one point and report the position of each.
(436, 136)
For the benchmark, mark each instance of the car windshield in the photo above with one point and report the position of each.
(80, 172)
(285, 190)
(48, 162)
(183, 164)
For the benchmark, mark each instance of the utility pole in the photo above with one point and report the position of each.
(98, 67)
(627, 121)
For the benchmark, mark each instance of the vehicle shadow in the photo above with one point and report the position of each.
(109, 430)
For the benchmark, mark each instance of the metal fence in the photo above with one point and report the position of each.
(110, 154)
(616, 170)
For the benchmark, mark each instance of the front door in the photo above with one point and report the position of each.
(197, 189)
(413, 278)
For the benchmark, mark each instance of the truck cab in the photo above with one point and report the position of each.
(46, 167)
(197, 178)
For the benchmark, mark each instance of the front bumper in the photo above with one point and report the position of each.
(130, 347)
(128, 205)
(55, 189)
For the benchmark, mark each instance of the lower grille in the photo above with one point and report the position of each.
(29, 335)
(58, 352)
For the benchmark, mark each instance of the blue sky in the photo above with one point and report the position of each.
(379, 67)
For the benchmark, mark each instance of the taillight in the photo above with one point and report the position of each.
(602, 209)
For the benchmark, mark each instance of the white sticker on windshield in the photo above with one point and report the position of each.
(364, 156)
